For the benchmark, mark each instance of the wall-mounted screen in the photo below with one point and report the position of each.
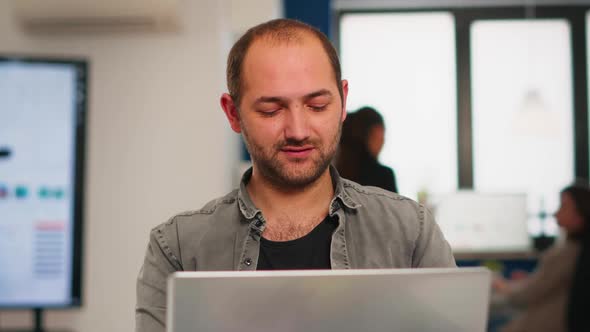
(42, 128)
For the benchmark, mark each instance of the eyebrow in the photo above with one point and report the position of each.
(264, 99)
(282, 100)
(319, 93)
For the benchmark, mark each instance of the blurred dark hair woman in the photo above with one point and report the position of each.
(579, 302)
(547, 296)
(363, 136)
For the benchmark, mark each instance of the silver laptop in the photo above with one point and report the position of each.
(330, 301)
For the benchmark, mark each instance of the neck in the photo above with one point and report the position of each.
(311, 201)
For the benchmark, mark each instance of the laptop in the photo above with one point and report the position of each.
(330, 300)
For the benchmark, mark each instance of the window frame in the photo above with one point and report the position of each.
(464, 18)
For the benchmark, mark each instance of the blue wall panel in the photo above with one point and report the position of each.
(313, 12)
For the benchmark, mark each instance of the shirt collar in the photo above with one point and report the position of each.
(341, 196)
(247, 207)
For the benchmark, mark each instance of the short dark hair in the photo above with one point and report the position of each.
(279, 30)
(579, 191)
(354, 142)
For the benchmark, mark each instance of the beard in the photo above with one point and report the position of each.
(294, 174)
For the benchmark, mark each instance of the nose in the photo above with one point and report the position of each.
(297, 124)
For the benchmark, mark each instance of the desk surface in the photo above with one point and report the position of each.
(520, 255)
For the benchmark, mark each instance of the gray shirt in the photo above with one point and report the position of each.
(376, 229)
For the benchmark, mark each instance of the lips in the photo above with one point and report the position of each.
(297, 151)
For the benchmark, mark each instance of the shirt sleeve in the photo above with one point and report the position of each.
(159, 263)
(555, 268)
(431, 249)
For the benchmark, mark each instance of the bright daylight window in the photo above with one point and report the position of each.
(523, 112)
(403, 64)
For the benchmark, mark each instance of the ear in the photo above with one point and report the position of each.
(231, 112)
(344, 96)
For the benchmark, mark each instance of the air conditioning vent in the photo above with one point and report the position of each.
(42, 16)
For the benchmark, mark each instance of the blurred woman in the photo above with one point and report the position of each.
(544, 295)
(363, 136)
(579, 301)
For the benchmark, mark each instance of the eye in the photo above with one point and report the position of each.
(318, 108)
(269, 112)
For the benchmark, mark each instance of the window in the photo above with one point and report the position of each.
(522, 112)
(403, 64)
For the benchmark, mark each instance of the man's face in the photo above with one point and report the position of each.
(290, 112)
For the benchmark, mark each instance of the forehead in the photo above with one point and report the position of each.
(280, 67)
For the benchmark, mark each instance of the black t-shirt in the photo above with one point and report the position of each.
(310, 252)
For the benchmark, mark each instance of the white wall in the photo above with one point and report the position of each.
(158, 144)
(244, 14)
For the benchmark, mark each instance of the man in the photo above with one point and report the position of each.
(292, 209)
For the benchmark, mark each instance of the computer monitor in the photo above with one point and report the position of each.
(475, 222)
(42, 130)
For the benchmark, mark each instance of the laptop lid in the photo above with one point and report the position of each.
(330, 300)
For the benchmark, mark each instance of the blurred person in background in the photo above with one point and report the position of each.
(579, 301)
(363, 136)
(543, 296)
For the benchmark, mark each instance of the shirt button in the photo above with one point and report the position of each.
(248, 261)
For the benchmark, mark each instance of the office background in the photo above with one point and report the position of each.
(157, 141)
